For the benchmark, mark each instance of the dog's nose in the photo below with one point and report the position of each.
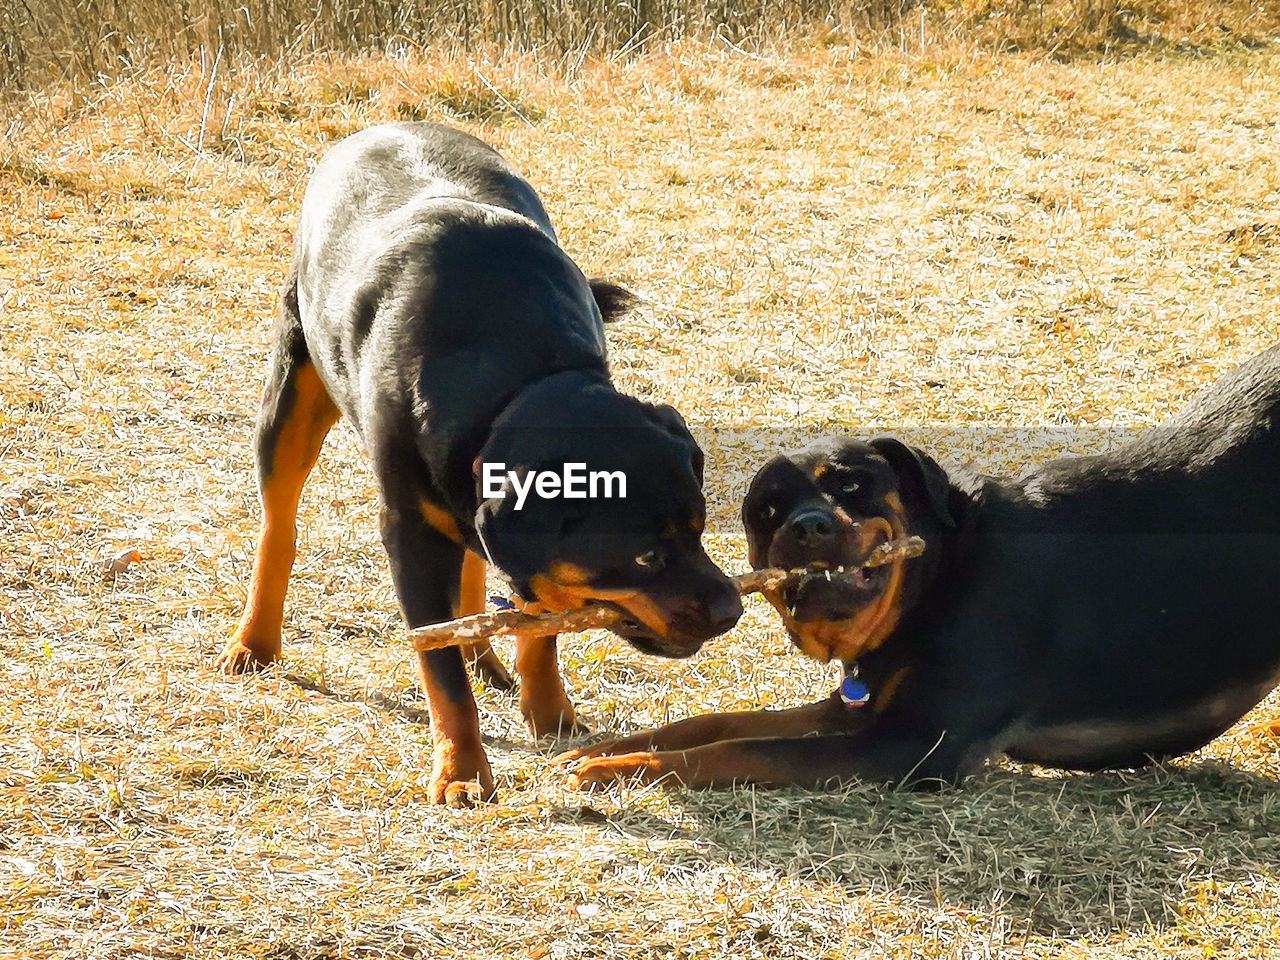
(723, 611)
(813, 526)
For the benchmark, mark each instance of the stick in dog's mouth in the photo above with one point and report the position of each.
(860, 578)
(506, 623)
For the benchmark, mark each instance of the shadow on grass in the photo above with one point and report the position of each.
(1058, 853)
(403, 708)
(1061, 854)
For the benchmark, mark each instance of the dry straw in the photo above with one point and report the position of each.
(1002, 255)
(89, 41)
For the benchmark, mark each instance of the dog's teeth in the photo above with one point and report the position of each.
(828, 573)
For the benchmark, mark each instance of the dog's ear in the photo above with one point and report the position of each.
(614, 301)
(669, 419)
(921, 472)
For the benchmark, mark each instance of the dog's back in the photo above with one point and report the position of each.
(1226, 436)
(421, 256)
(381, 171)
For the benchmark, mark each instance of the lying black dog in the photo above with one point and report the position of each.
(1099, 612)
(430, 305)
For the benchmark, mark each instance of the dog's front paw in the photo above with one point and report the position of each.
(460, 794)
(457, 784)
(639, 743)
(244, 654)
(597, 771)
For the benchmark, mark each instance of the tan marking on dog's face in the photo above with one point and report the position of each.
(569, 574)
(566, 587)
(849, 638)
(894, 503)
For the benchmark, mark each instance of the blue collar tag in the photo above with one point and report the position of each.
(854, 692)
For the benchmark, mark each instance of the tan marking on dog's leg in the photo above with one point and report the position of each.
(461, 775)
(471, 600)
(825, 716)
(296, 447)
(543, 701)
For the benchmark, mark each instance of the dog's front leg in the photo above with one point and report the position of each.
(815, 762)
(426, 568)
(826, 716)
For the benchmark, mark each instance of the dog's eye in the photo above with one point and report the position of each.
(851, 486)
(650, 561)
(768, 511)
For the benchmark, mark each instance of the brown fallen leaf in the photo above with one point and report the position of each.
(120, 563)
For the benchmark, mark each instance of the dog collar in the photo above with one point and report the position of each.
(853, 691)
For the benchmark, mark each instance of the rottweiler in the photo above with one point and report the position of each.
(430, 304)
(1098, 612)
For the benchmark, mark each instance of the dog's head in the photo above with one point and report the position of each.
(618, 517)
(827, 506)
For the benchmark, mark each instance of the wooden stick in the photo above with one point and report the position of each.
(508, 623)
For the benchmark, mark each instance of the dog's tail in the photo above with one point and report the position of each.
(614, 301)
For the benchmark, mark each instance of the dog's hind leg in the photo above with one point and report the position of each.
(293, 419)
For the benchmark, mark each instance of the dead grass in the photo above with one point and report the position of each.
(88, 45)
(1003, 256)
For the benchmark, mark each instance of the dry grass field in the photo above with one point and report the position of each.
(1001, 255)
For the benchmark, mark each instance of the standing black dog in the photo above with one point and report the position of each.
(1098, 612)
(430, 305)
